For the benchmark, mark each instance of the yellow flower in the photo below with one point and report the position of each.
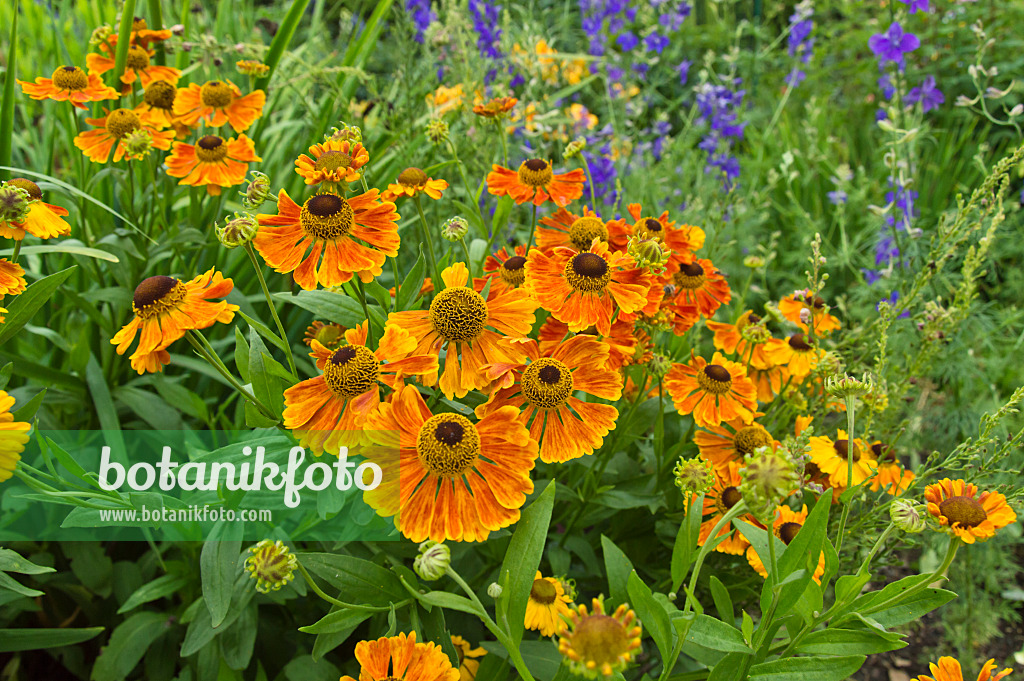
(468, 664)
(13, 436)
(546, 606)
(600, 644)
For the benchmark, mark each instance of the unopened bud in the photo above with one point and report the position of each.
(574, 148)
(137, 144)
(433, 560)
(754, 262)
(348, 133)
(100, 35)
(14, 203)
(658, 365)
(237, 231)
(848, 386)
(257, 190)
(494, 590)
(454, 228)
(767, 479)
(271, 564)
(907, 515)
(693, 476)
(437, 131)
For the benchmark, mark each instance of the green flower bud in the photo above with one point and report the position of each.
(433, 560)
(909, 516)
(767, 479)
(454, 228)
(693, 476)
(14, 203)
(350, 133)
(271, 564)
(574, 148)
(257, 191)
(137, 144)
(848, 386)
(659, 365)
(494, 590)
(237, 231)
(437, 131)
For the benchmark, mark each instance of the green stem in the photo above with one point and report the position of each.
(425, 233)
(590, 182)
(851, 449)
(366, 310)
(735, 511)
(469, 261)
(394, 270)
(232, 381)
(17, 250)
(341, 604)
(533, 227)
(273, 310)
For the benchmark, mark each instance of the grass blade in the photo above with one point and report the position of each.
(7, 108)
(124, 33)
(282, 40)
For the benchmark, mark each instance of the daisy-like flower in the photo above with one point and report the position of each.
(948, 669)
(333, 161)
(457, 480)
(165, 309)
(12, 278)
(212, 162)
(891, 476)
(747, 339)
(109, 133)
(496, 108)
(143, 35)
(354, 236)
(44, 220)
(157, 105)
(69, 84)
(546, 605)
(401, 658)
(699, 284)
(793, 306)
(328, 334)
(964, 514)
(683, 240)
(717, 501)
(13, 436)
(412, 182)
(577, 232)
(471, 329)
(251, 67)
(326, 412)
(786, 526)
(713, 391)
(218, 102)
(137, 67)
(768, 381)
(536, 181)
(796, 353)
(832, 459)
(565, 426)
(583, 289)
(503, 271)
(626, 345)
(732, 442)
(469, 664)
(597, 644)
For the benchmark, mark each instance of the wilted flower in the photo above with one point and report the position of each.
(271, 564)
(433, 560)
(454, 228)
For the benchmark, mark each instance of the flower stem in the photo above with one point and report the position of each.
(273, 310)
(366, 310)
(341, 604)
(425, 233)
(851, 452)
(533, 228)
(394, 270)
(222, 370)
(590, 182)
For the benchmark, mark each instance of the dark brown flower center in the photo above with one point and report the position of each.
(587, 272)
(799, 342)
(730, 496)
(34, 192)
(787, 531)
(690, 276)
(966, 512)
(535, 173)
(448, 445)
(351, 371)
(842, 448)
(516, 262)
(589, 265)
(652, 225)
(326, 217)
(459, 314)
(211, 149)
(156, 295)
(584, 230)
(549, 374)
(750, 438)
(536, 164)
(883, 453)
(546, 383)
(543, 592)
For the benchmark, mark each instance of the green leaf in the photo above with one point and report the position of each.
(807, 541)
(238, 642)
(409, 291)
(849, 586)
(807, 669)
(218, 567)
(850, 642)
(502, 212)
(723, 602)
(686, 539)
(28, 409)
(201, 630)
(263, 330)
(708, 632)
(11, 561)
(7, 106)
(160, 587)
(128, 644)
(24, 306)
(266, 386)
(282, 39)
(729, 668)
(8, 583)
(64, 248)
(125, 29)
(617, 566)
(241, 355)
(359, 580)
(522, 560)
(748, 627)
(15, 640)
(328, 306)
(444, 599)
(915, 607)
(652, 614)
(337, 621)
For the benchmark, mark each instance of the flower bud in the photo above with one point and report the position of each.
(658, 365)
(100, 34)
(648, 252)
(14, 203)
(693, 476)
(574, 148)
(257, 190)
(271, 564)
(137, 144)
(433, 560)
(454, 228)
(348, 133)
(251, 67)
(767, 479)
(754, 262)
(848, 386)
(494, 590)
(237, 231)
(437, 131)
(907, 515)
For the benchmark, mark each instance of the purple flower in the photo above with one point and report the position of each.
(684, 71)
(893, 44)
(485, 21)
(927, 94)
(795, 77)
(422, 16)
(837, 197)
(627, 41)
(915, 5)
(656, 43)
(892, 300)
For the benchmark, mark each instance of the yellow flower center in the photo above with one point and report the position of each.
(156, 295)
(122, 122)
(749, 438)
(714, 379)
(787, 532)
(448, 445)
(458, 314)
(967, 512)
(216, 94)
(34, 192)
(842, 448)
(160, 95)
(331, 161)
(583, 231)
(513, 271)
(587, 272)
(412, 177)
(139, 24)
(799, 343)
(547, 383)
(535, 172)
(70, 78)
(138, 58)
(601, 640)
(211, 149)
(326, 217)
(543, 592)
(351, 371)
(690, 276)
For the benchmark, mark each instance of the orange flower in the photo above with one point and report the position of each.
(218, 102)
(327, 334)
(165, 309)
(413, 182)
(954, 504)
(43, 219)
(110, 132)
(699, 284)
(683, 241)
(786, 526)
(69, 84)
(495, 108)
(158, 105)
(473, 330)
(747, 339)
(722, 496)
(458, 480)
(891, 475)
(333, 161)
(578, 231)
(583, 289)
(137, 67)
(503, 271)
(713, 392)
(536, 180)
(948, 669)
(327, 412)
(798, 356)
(565, 427)
(143, 35)
(769, 381)
(213, 162)
(626, 345)
(832, 459)
(401, 658)
(12, 278)
(354, 236)
(731, 442)
(792, 308)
